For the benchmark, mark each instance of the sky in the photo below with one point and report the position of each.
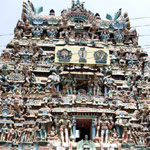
(10, 12)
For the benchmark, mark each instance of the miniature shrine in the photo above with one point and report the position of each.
(74, 82)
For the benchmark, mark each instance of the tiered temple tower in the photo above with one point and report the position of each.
(74, 82)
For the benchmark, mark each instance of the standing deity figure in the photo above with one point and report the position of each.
(97, 126)
(24, 135)
(69, 84)
(10, 133)
(4, 131)
(36, 132)
(90, 86)
(98, 83)
(104, 124)
(74, 83)
(93, 31)
(63, 125)
(96, 86)
(43, 134)
(110, 93)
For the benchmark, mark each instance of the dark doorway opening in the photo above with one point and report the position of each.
(84, 127)
(82, 84)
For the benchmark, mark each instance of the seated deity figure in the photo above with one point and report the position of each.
(51, 33)
(18, 30)
(27, 29)
(52, 132)
(105, 36)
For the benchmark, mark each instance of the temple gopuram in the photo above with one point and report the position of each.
(74, 82)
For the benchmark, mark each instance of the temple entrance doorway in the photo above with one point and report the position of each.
(84, 127)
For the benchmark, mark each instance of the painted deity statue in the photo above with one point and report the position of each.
(98, 83)
(64, 124)
(53, 82)
(102, 124)
(27, 29)
(43, 134)
(69, 84)
(93, 31)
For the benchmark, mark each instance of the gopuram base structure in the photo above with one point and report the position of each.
(74, 82)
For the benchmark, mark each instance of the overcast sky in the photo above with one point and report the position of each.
(10, 12)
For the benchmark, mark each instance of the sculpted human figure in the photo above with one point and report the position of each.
(65, 28)
(72, 36)
(114, 136)
(105, 36)
(90, 85)
(74, 82)
(97, 126)
(29, 131)
(51, 33)
(43, 133)
(148, 119)
(93, 31)
(110, 93)
(145, 111)
(104, 128)
(36, 131)
(11, 133)
(102, 124)
(98, 82)
(53, 82)
(110, 124)
(71, 126)
(37, 31)
(19, 134)
(131, 35)
(18, 30)
(52, 132)
(134, 135)
(27, 29)
(24, 135)
(63, 125)
(68, 84)
(32, 133)
(4, 131)
(6, 56)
